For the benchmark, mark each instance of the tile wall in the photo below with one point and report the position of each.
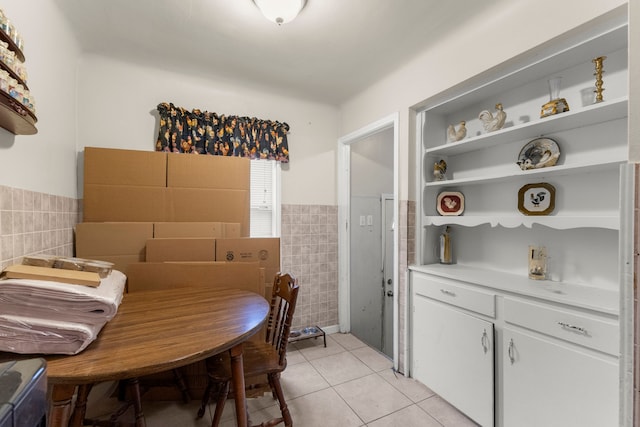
(309, 251)
(407, 257)
(35, 223)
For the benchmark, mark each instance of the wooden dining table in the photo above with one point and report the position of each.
(156, 331)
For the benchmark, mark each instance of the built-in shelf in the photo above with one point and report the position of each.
(516, 172)
(564, 222)
(591, 115)
(507, 324)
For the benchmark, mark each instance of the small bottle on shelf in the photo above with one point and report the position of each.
(446, 256)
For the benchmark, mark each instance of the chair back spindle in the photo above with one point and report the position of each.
(283, 303)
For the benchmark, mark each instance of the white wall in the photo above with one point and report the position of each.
(117, 103)
(45, 162)
(485, 41)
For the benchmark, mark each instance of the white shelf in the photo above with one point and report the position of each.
(608, 222)
(576, 295)
(591, 115)
(518, 173)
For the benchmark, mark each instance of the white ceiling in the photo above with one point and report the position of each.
(332, 51)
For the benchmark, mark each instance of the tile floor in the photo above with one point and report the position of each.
(346, 384)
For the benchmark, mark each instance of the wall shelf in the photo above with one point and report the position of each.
(594, 114)
(608, 222)
(12, 45)
(560, 170)
(15, 117)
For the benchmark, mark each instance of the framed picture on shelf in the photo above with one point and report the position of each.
(450, 203)
(537, 199)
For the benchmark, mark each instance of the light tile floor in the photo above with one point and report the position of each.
(346, 384)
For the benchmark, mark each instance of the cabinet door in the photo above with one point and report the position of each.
(552, 384)
(453, 356)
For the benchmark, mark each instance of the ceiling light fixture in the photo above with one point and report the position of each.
(280, 11)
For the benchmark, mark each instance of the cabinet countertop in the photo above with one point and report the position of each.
(575, 295)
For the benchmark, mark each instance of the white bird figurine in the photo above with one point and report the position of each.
(491, 123)
(454, 135)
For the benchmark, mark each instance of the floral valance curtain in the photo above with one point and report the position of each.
(203, 132)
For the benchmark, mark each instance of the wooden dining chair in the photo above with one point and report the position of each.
(261, 358)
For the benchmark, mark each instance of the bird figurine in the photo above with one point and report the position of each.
(439, 170)
(491, 122)
(454, 135)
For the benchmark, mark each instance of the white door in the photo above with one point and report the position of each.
(556, 385)
(366, 290)
(453, 356)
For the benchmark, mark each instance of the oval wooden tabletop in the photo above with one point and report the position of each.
(155, 331)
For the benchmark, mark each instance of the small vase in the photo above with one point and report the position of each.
(556, 104)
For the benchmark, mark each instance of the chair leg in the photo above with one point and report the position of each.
(134, 386)
(223, 393)
(206, 397)
(182, 385)
(274, 380)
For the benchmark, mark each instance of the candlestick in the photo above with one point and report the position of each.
(599, 70)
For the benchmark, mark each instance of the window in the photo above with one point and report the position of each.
(265, 198)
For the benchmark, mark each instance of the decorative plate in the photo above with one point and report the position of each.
(538, 153)
(537, 199)
(450, 203)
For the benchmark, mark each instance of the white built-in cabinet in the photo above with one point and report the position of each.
(455, 350)
(502, 348)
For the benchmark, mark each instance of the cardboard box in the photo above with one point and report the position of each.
(112, 238)
(205, 205)
(125, 167)
(165, 275)
(231, 229)
(73, 277)
(122, 203)
(120, 262)
(196, 229)
(205, 171)
(181, 249)
(264, 250)
(187, 229)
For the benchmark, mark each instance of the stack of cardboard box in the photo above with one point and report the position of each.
(170, 220)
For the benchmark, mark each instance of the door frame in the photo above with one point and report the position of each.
(383, 198)
(344, 202)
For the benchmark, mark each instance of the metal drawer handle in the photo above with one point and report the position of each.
(447, 292)
(573, 328)
(484, 341)
(511, 351)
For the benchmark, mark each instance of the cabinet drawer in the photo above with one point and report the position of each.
(579, 328)
(454, 293)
